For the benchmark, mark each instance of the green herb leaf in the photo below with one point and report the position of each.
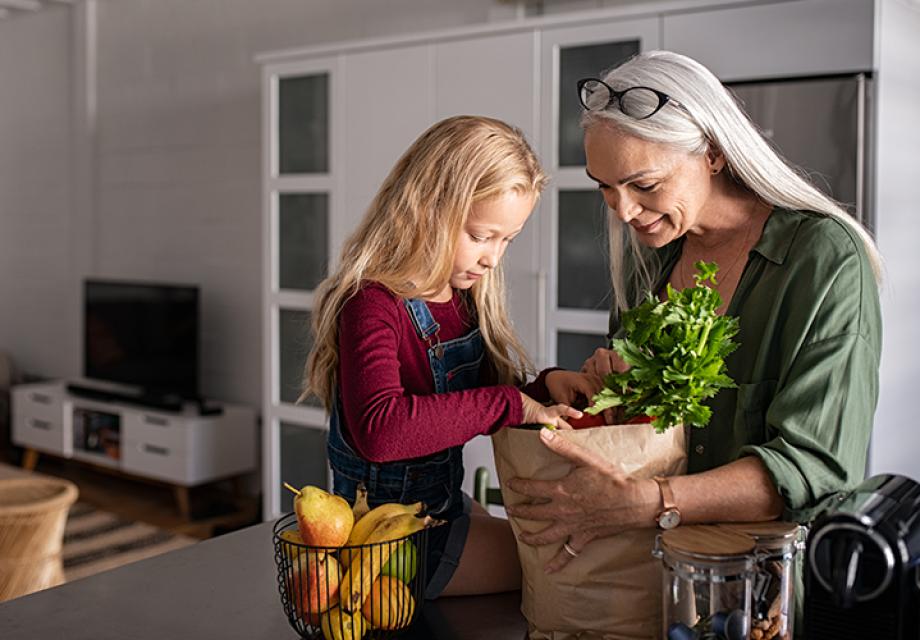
(676, 352)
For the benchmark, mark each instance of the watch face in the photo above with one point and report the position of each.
(669, 519)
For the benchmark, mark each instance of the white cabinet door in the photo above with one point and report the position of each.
(488, 76)
(38, 418)
(159, 461)
(387, 103)
(494, 76)
(810, 37)
(573, 251)
(303, 228)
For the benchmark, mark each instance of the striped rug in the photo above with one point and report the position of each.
(96, 540)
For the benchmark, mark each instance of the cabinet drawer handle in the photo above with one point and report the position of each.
(41, 398)
(44, 425)
(151, 448)
(156, 421)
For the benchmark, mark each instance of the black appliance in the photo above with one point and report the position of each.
(143, 335)
(862, 574)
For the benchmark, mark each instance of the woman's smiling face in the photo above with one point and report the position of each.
(658, 190)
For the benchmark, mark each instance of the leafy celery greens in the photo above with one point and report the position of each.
(676, 352)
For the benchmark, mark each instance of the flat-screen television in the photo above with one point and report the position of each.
(142, 335)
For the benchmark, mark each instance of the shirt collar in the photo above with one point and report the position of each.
(778, 234)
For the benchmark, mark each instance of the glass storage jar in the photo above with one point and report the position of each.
(773, 585)
(706, 582)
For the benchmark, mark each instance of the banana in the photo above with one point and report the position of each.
(291, 535)
(339, 625)
(369, 522)
(366, 564)
(360, 508)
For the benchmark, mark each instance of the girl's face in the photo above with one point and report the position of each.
(492, 225)
(661, 192)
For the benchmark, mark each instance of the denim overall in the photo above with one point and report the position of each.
(435, 479)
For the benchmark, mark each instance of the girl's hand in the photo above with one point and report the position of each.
(566, 386)
(536, 413)
(603, 362)
(594, 500)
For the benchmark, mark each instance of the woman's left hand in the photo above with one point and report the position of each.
(594, 500)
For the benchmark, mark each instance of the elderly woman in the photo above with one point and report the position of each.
(687, 177)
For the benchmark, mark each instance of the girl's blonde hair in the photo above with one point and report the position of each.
(408, 237)
(710, 119)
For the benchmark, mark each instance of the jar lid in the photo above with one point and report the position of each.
(771, 533)
(708, 540)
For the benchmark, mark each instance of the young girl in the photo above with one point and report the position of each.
(414, 353)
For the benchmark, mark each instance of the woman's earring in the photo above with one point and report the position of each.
(715, 171)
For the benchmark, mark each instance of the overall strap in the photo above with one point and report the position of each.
(422, 320)
(340, 452)
(424, 323)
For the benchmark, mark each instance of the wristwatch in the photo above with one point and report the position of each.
(669, 517)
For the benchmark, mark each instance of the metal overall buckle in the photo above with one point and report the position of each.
(438, 348)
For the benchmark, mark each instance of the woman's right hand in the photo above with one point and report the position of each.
(567, 387)
(603, 362)
(536, 413)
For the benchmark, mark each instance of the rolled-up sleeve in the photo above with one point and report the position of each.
(818, 424)
(824, 352)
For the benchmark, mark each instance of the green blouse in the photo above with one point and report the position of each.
(807, 365)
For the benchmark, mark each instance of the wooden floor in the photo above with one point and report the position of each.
(215, 509)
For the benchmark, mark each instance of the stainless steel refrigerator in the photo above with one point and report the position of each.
(821, 125)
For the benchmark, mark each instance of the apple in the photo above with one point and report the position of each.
(315, 585)
(323, 519)
(403, 562)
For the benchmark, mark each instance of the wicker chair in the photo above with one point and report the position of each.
(33, 512)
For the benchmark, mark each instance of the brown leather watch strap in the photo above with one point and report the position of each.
(667, 495)
(669, 517)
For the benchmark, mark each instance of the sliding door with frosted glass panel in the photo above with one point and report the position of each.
(576, 273)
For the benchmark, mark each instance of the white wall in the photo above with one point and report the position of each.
(896, 439)
(175, 154)
(37, 284)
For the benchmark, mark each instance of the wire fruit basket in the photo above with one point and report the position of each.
(321, 603)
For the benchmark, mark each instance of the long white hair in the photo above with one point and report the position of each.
(710, 119)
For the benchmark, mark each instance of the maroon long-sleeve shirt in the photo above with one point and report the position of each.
(386, 386)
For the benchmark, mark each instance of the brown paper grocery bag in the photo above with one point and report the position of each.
(612, 590)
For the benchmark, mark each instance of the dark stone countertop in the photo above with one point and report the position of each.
(223, 588)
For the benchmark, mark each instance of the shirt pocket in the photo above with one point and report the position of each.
(753, 401)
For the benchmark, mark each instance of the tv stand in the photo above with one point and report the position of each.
(193, 445)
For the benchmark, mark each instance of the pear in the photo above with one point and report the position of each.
(323, 519)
